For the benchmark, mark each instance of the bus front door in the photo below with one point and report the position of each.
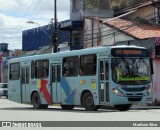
(56, 88)
(25, 89)
(104, 81)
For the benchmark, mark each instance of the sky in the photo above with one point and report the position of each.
(14, 15)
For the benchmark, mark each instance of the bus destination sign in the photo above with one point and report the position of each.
(127, 52)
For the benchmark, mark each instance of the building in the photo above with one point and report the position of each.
(36, 38)
(39, 40)
(4, 53)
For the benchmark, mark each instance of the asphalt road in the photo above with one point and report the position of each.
(11, 111)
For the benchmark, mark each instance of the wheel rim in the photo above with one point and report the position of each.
(89, 101)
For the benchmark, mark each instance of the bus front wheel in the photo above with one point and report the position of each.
(124, 107)
(36, 101)
(88, 102)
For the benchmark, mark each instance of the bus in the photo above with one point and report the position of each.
(93, 78)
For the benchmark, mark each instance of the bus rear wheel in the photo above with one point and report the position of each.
(67, 107)
(124, 107)
(88, 102)
(36, 101)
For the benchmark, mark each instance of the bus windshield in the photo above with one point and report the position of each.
(131, 71)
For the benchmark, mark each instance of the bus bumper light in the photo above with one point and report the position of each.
(117, 92)
(149, 99)
(148, 90)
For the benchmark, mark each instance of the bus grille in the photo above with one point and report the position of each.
(5, 92)
(134, 89)
(134, 94)
(134, 98)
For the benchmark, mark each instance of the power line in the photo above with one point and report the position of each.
(27, 13)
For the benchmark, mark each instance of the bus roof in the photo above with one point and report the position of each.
(93, 50)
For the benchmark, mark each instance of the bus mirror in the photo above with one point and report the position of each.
(151, 63)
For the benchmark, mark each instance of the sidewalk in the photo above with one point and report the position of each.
(144, 107)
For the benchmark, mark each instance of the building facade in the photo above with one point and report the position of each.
(4, 53)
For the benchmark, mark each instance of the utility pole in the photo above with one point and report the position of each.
(55, 35)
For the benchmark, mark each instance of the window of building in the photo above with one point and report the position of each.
(77, 38)
(157, 51)
(157, 16)
(41, 69)
(14, 73)
(71, 66)
(88, 65)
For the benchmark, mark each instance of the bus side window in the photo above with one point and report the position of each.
(14, 71)
(32, 70)
(36, 71)
(46, 73)
(88, 63)
(53, 74)
(66, 72)
(70, 66)
(101, 71)
(41, 68)
(107, 71)
(104, 72)
(81, 72)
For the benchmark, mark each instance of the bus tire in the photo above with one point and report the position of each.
(88, 102)
(124, 107)
(36, 101)
(67, 107)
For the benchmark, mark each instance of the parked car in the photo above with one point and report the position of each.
(4, 89)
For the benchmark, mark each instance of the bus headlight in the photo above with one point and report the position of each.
(148, 90)
(117, 92)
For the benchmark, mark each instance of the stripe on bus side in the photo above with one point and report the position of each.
(43, 89)
(67, 89)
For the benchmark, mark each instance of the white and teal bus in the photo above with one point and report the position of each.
(117, 76)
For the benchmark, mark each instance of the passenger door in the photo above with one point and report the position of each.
(25, 88)
(104, 80)
(55, 82)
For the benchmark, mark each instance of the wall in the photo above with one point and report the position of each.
(4, 70)
(156, 81)
(156, 66)
(110, 4)
(121, 4)
(89, 8)
(98, 34)
(76, 10)
(92, 36)
(35, 38)
(146, 12)
(98, 8)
